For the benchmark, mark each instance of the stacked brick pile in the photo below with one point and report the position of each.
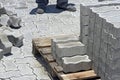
(70, 53)
(100, 32)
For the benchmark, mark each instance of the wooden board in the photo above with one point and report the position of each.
(79, 75)
(42, 42)
(43, 47)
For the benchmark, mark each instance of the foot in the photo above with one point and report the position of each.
(40, 11)
(68, 7)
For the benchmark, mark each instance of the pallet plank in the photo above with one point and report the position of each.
(79, 75)
(49, 58)
(45, 51)
(58, 69)
(42, 42)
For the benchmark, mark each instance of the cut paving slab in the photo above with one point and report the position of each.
(69, 49)
(62, 39)
(76, 63)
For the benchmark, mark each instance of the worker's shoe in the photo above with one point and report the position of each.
(40, 11)
(68, 8)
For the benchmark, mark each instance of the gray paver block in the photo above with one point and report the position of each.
(5, 44)
(85, 20)
(10, 74)
(76, 63)
(84, 10)
(70, 49)
(62, 39)
(25, 69)
(15, 37)
(14, 21)
(10, 65)
(2, 11)
(26, 77)
(4, 20)
(21, 5)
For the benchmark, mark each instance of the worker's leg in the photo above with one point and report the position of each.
(63, 4)
(41, 5)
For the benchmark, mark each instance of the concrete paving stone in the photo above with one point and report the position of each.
(89, 51)
(80, 62)
(16, 53)
(85, 20)
(97, 41)
(84, 10)
(2, 67)
(5, 44)
(10, 65)
(91, 34)
(14, 21)
(26, 77)
(112, 72)
(103, 9)
(16, 38)
(101, 67)
(110, 14)
(10, 74)
(106, 28)
(103, 51)
(2, 10)
(26, 51)
(70, 49)
(41, 74)
(29, 60)
(113, 41)
(25, 69)
(21, 5)
(62, 39)
(112, 60)
(4, 20)
(113, 54)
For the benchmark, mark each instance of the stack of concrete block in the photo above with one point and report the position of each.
(69, 52)
(61, 39)
(103, 40)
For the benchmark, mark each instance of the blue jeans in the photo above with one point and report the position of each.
(43, 3)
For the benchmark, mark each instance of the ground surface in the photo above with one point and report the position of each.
(22, 65)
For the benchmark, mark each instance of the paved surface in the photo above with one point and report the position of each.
(22, 65)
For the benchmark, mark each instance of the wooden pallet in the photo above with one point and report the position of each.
(43, 47)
